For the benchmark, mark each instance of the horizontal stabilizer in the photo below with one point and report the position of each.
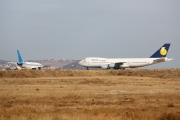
(159, 60)
(169, 59)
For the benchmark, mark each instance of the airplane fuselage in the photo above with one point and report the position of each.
(106, 63)
(121, 63)
(30, 65)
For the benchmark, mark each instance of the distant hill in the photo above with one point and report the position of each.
(3, 61)
(76, 66)
(52, 63)
(73, 66)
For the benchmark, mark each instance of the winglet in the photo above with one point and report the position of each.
(20, 60)
(161, 52)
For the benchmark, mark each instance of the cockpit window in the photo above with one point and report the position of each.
(84, 60)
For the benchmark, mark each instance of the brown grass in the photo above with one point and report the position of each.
(160, 73)
(90, 95)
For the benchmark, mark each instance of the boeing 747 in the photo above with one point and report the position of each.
(121, 63)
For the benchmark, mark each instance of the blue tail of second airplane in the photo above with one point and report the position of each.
(20, 60)
(161, 52)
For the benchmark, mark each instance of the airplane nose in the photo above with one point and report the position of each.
(80, 62)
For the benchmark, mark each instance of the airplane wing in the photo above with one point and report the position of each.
(116, 65)
(159, 60)
(12, 63)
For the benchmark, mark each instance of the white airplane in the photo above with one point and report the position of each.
(26, 65)
(122, 63)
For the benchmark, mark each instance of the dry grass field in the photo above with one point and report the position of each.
(90, 95)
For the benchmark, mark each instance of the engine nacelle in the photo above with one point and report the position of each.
(18, 68)
(105, 67)
(20, 64)
(124, 65)
(112, 65)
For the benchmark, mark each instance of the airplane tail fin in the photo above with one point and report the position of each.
(20, 60)
(161, 52)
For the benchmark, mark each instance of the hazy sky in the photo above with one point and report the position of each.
(75, 29)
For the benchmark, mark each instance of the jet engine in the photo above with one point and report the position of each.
(20, 64)
(115, 65)
(118, 65)
(112, 65)
(105, 67)
(124, 65)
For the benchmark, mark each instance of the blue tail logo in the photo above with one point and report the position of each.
(20, 60)
(162, 52)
